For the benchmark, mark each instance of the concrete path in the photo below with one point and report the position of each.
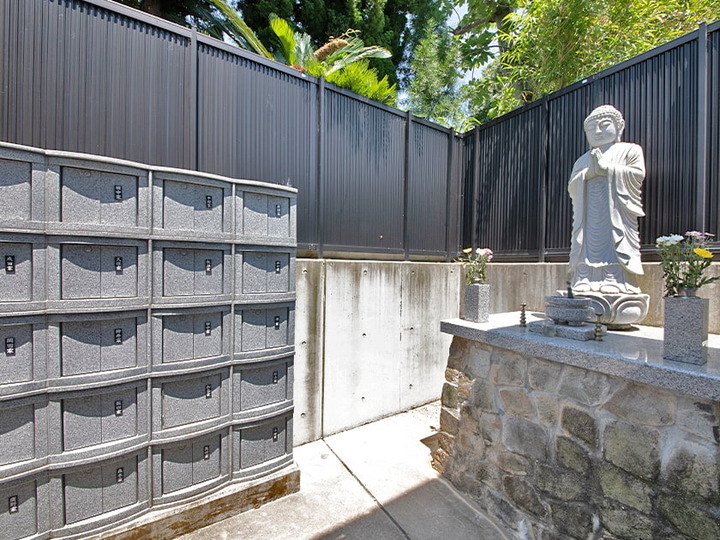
(372, 482)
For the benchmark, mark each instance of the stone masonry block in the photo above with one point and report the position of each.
(449, 396)
(467, 424)
(524, 495)
(478, 360)
(490, 428)
(698, 416)
(449, 420)
(643, 404)
(543, 375)
(580, 424)
(483, 396)
(574, 520)
(623, 523)
(587, 387)
(573, 456)
(446, 442)
(451, 375)
(561, 484)
(457, 356)
(624, 488)
(496, 504)
(548, 407)
(509, 368)
(633, 448)
(463, 387)
(440, 459)
(516, 402)
(525, 438)
(693, 469)
(510, 463)
(489, 475)
(689, 518)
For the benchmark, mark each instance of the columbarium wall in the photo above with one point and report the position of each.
(146, 336)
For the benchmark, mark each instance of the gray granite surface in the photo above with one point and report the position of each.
(634, 355)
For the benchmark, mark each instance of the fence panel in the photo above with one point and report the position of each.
(508, 196)
(656, 97)
(663, 118)
(259, 123)
(79, 77)
(428, 218)
(713, 141)
(566, 142)
(661, 98)
(363, 176)
(98, 77)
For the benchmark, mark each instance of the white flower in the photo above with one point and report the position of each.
(669, 240)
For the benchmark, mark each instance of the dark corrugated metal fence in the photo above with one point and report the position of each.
(97, 77)
(94, 76)
(522, 162)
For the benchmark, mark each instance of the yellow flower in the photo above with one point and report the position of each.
(467, 250)
(704, 253)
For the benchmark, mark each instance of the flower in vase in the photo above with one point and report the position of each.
(684, 261)
(476, 264)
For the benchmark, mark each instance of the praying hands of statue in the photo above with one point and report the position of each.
(598, 164)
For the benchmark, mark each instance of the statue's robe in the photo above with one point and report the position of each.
(605, 240)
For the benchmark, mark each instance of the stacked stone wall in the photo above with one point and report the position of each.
(556, 451)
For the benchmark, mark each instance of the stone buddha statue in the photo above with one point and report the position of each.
(605, 188)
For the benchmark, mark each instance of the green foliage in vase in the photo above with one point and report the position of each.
(475, 263)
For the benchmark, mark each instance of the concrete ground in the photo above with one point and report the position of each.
(372, 482)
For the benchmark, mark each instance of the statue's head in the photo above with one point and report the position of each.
(604, 126)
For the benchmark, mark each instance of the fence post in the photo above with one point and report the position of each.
(475, 191)
(406, 186)
(320, 168)
(702, 135)
(193, 100)
(448, 195)
(542, 228)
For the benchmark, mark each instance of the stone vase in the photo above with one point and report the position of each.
(476, 302)
(686, 329)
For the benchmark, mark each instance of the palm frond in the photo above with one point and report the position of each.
(240, 31)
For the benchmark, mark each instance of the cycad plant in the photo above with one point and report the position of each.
(342, 61)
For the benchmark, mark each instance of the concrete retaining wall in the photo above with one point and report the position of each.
(368, 341)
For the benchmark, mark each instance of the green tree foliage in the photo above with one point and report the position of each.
(200, 14)
(547, 44)
(343, 61)
(396, 25)
(433, 92)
